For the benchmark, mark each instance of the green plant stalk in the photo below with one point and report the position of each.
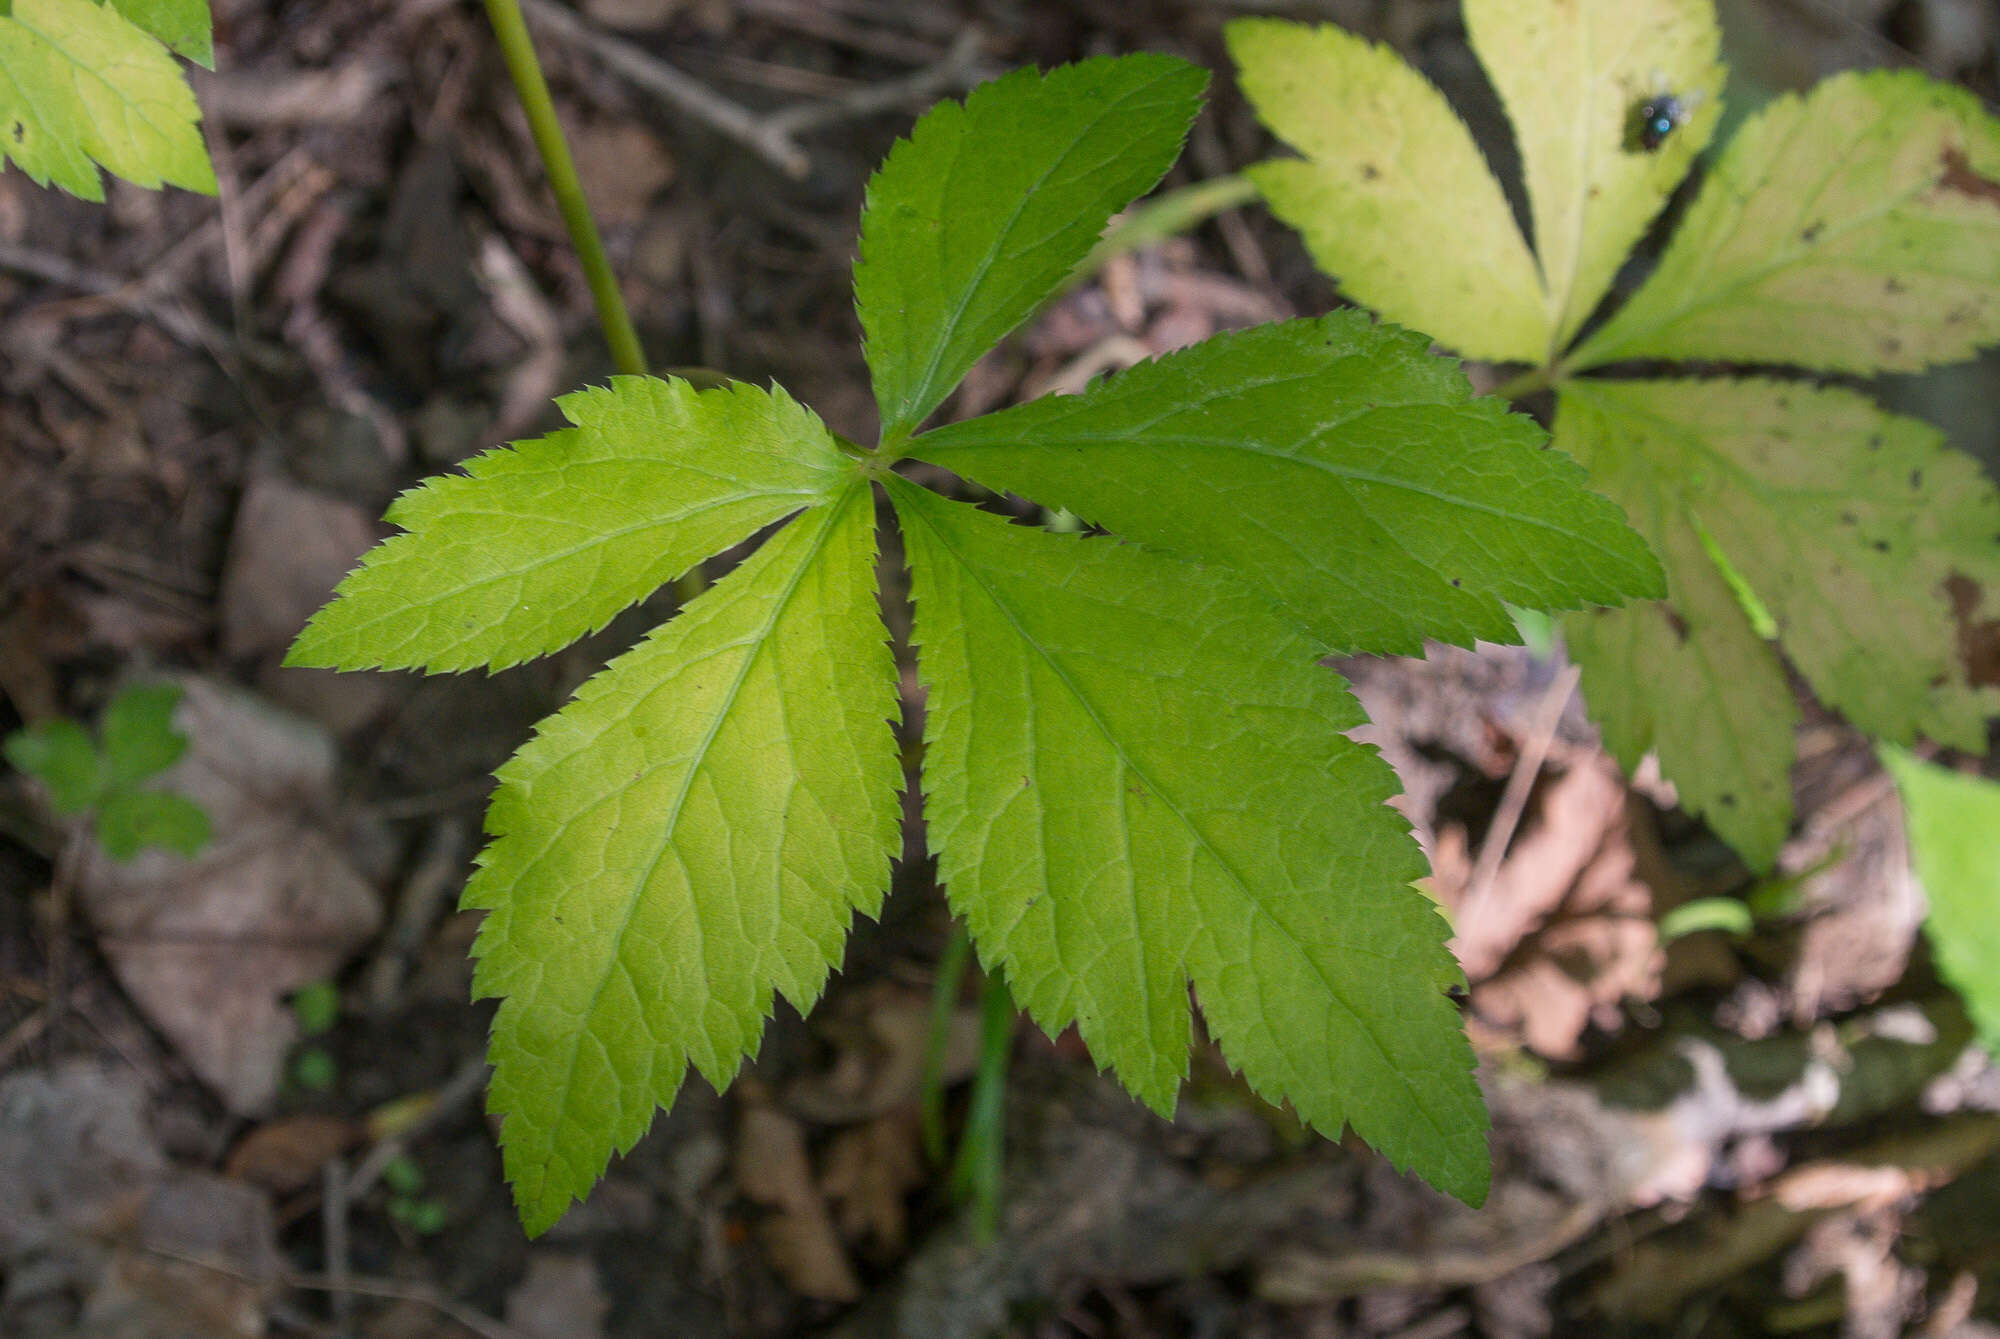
(519, 52)
(944, 1003)
(1168, 214)
(975, 1176)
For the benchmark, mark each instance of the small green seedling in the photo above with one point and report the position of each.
(102, 776)
(1136, 776)
(314, 1069)
(316, 1007)
(404, 1178)
(1853, 230)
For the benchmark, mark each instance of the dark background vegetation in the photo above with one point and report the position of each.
(205, 407)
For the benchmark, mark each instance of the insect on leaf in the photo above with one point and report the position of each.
(1571, 76)
(1854, 229)
(1392, 197)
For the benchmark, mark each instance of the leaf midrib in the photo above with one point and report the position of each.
(637, 891)
(1249, 894)
(905, 418)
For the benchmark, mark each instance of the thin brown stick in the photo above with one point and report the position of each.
(131, 296)
(361, 1285)
(949, 73)
(1514, 800)
(769, 142)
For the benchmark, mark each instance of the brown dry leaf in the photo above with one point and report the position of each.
(560, 1298)
(1883, 1294)
(1565, 935)
(290, 547)
(869, 1169)
(623, 166)
(880, 1037)
(286, 1155)
(632, 15)
(201, 1262)
(772, 1169)
(1864, 911)
(208, 948)
(76, 1157)
(1841, 1185)
(1453, 712)
(407, 1319)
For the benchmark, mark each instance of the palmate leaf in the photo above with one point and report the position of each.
(1855, 229)
(1389, 503)
(1952, 821)
(82, 86)
(1392, 196)
(985, 208)
(689, 838)
(1848, 523)
(1570, 76)
(538, 544)
(1135, 777)
(692, 832)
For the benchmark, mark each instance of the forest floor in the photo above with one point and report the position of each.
(204, 410)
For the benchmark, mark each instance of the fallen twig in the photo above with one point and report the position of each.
(771, 143)
(949, 72)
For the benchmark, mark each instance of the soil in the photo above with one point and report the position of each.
(205, 408)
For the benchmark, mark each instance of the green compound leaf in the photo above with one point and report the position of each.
(1854, 229)
(1392, 197)
(1854, 528)
(82, 86)
(130, 821)
(138, 732)
(1952, 822)
(1135, 777)
(181, 24)
(689, 835)
(60, 754)
(1333, 464)
(1571, 77)
(538, 544)
(1686, 677)
(1847, 522)
(975, 218)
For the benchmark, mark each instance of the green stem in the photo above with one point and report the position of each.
(533, 90)
(976, 1174)
(1168, 214)
(944, 1005)
(1527, 383)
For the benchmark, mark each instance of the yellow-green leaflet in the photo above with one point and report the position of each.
(1570, 76)
(1391, 195)
(82, 86)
